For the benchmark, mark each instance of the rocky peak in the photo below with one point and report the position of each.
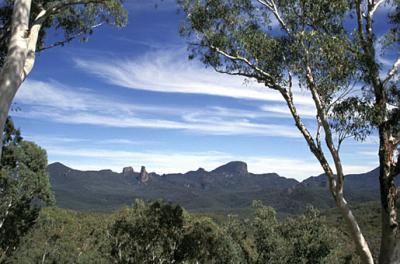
(144, 175)
(232, 169)
(127, 171)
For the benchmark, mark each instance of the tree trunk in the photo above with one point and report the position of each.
(355, 231)
(12, 73)
(390, 243)
(337, 193)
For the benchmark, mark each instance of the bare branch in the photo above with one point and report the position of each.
(246, 61)
(69, 39)
(375, 7)
(392, 71)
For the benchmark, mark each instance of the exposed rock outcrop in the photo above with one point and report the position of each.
(234, 168)
(144, 175)
(128, 171)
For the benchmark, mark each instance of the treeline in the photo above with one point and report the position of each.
(160, 232)
(32, 231)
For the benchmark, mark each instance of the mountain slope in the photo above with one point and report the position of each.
(229, 187)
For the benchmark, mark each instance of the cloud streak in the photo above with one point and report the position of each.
(58, 103)
(170, 71)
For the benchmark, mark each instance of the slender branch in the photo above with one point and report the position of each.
(375, 7)
(53, 7)
(246, 61)
(235, 73)
(321, 112)
(274, 9)
(69, 39)
(392, 71)
(342, 95)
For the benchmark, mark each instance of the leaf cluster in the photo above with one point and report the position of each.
(67, 22)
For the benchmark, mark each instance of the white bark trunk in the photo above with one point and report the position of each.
(12, 73)
(337, 191)
(358, 237)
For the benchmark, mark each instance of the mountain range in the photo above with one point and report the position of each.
(228, 188)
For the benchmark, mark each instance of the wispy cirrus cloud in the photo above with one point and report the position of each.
(58, 103)
(169, 71)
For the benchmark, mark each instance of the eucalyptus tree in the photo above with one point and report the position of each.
(24, 25)
(280, 43)
(380, 104)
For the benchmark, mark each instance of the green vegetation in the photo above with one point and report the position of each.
(155, 232)
(24, 188)
(160, 232)
(328, 48)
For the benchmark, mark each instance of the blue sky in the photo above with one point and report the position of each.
(130, 97)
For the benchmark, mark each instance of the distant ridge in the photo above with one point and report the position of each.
(229, 187)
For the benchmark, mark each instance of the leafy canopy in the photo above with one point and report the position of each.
(69, 20)
(24, 187)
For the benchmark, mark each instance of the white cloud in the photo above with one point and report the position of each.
(306, 111)
(54, 140)
(52, 101)
(171, 72)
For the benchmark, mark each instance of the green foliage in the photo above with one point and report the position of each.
(70, 21)
(63, 236)
(160, 232)
(146, 234)
(305, 238)
(313, 43)
(312, 33)
(24, 187)
(164, 233)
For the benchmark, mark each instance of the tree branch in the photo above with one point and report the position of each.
(392, 71)
(359, 22)
(32, 41)
(375, 7)
(69, 39)
(273, 8)
(57, 5)
(246, 61)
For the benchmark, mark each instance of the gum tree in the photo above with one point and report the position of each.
(24, 25)
(381, 102)
(282, 42)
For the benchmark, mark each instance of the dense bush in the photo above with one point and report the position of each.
(161, 232)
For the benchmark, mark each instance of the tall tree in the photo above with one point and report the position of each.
(381, 101)
(24, 188)
(312, 45)
(24, 25)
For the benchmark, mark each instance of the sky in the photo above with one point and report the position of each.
(131, 97)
